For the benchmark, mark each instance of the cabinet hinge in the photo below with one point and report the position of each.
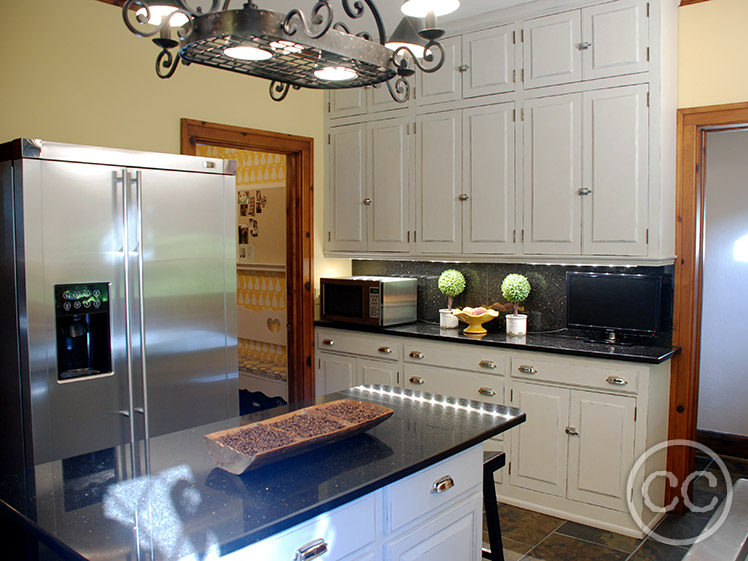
(647, 236)
(647, 54)
(407, 129)
(415, 128)
(523, 74)
(319, 364)
(414, 92)
(635, 410)
(514, 37)
(522, 36)
(514, 75)
(514, 236)
(415, 237)
(398, 378)
(514, 114)
(511, 396)
(408, 236)
(328, 139)
(522, 114)
(523, 236)
(329, 236)
(647, 9)
(647, 99)
(329, 106)
(510, 468)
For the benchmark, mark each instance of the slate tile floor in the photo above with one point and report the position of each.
(530, 536)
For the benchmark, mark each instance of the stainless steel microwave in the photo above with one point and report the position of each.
(369, 300)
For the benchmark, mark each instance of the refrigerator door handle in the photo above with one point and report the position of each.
(143, 368)
(128, 314)
(118, 177)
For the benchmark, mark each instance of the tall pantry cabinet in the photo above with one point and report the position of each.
(549, 132)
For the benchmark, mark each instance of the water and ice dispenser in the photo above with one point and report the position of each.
(84, 346)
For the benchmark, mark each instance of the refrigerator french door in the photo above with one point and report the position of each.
(126, 290)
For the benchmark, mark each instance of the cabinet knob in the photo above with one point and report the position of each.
(417, 380)
(527, 369)
(616, 380)
(463, 68)
(487, 364)
(443, 484)
(385, 350)
(312, 550)
(463, 196)
(367, 201)
(584, 191)
(416, 354)
(487, 391)
(328, 342)
(571, 431)
(584, 45)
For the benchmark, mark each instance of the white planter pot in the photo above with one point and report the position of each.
(516, 325)
(446, 319)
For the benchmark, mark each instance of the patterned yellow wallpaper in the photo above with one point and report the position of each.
(257, 290)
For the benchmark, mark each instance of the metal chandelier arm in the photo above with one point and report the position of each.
(134, 5)
(429, 57)
(166, 63)
(400, 92)
(324, 21)
(279, 90)
(358, 11)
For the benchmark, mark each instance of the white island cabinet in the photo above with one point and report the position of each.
(588, 419)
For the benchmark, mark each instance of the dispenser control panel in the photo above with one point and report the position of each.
(76, 299)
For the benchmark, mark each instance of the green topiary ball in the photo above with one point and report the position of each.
(451, 282)
(515, 288)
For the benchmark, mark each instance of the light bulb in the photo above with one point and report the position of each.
(335, 73)
(420, 8)
(417, 50)
(247, 53)
(158, 13)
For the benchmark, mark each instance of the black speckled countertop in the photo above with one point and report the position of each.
(558, 343)
(165, 496)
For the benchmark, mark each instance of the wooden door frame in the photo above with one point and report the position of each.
(299, 152)
(693, 125)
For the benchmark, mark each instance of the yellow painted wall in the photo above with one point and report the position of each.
(713, 52)
(70, 71)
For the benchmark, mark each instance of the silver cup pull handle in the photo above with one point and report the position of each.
(312, 550)
(385, 350)
(487, 364)
(616, 380)
(487, 391)
(571, 431)
(527, 369)
(417, 380)
(328, 342)
(443, 484)
(416, 354)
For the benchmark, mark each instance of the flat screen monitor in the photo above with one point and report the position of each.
(623, 303)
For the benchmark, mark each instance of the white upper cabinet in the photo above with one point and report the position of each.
(444, 84)
(618, 39)
(601, 41)
(488, 61)
(488, 219)
(438, 182)
(616, 171)
(551, 50)
(346, 218)
(388, 171)
(347, 102)
(553, 174)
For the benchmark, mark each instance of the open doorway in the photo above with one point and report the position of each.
(276, 335)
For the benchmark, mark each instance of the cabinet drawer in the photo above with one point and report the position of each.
(415, 496)
(351, 342)
(455, 383)
(455, 355)
(623, 380)
(332, 527)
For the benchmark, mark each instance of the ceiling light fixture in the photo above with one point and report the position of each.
(291, 50)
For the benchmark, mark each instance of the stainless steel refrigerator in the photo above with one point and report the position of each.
(118, 318)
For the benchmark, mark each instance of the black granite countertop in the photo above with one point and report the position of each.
(559, 342)
(166, 496)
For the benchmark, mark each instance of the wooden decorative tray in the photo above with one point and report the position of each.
(251, 446)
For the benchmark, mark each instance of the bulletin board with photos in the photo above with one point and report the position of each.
(261, 227)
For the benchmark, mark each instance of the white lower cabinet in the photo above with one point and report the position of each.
(588, 420)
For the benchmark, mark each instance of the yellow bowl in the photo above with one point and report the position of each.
(475, 323)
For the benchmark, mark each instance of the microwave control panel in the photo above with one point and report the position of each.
(374, 302)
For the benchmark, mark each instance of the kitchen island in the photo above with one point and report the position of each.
(365, 496)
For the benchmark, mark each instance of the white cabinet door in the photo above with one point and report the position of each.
(540, 444)
(454, 536)
(617, 34)
(488, 59)
(553, 173)
(488, 218)
(602, 454)
(347, 102)
(388, 173)
(551, 50)
(346, 212)
(335, 373)
(378, 372)
(616, 148)
(380, 99)
(444, 84)
(438, 182)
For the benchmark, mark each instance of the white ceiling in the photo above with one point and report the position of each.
(389, 9)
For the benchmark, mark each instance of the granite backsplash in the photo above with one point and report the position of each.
(545, 307)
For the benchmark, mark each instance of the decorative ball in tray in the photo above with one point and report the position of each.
(251, 446)
(475, 318)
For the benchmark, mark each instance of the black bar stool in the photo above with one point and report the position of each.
(492, 461)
